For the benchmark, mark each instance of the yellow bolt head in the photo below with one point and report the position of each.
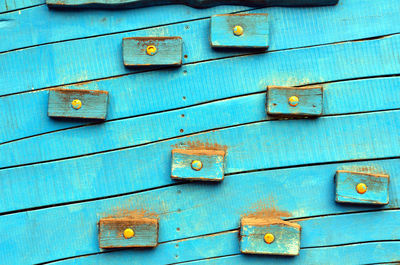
(361, 188)
(238, 30)
(76, 104)
(269, 238)
(151, 50)
(293, 101)
(129, 233)
(197, 165)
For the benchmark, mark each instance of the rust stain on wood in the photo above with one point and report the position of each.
(197, 145)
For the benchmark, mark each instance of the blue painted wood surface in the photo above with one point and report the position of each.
(211, 168)
(377, 187)
(286, 235)
(167, 51)
(249, 149)
(111, 232)
(10, 5)
(92, 104)
(75, 64)
(189, 207)
(255, 31)
(310, 101)
(194, 3)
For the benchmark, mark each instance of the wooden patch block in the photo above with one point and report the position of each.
(293, 101)
(117, 232)
(75, 103)
(152, 51)
(359, 187)
(240, 31)
(272, 237)
(206, 165)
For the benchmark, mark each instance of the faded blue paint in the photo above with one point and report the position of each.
(93, 104)
(255, 31)
(212, 165)
(377, 188)
(310, 101)
(168, 51)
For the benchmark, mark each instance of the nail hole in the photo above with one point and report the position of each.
(177, 256)
(177, 245)
(274, 104)
(179, 210)
(184, 98)
(182, 115)
(178, 229)
(313, 106)
(185, 56)
(179, 191)
(187, 27)
(184, 72)
(181, 130)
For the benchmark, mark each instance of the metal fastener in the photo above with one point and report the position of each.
(269, 238)
(151, 50)
(197, 165)
(293, 101)
(238, 30)
(361, 188)
(76, 104)
(129, 233)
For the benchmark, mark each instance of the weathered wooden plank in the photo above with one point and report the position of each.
(148, 51)
(362, 187)
(128, 232)
(270, 236)
(290, 101)
(239, 31)
(367, 253)
(10, 5)
(73, 103)
(193, 3)
(205, 165)
(94, 176)
(94, 58)
(127, 100)
(186, 211)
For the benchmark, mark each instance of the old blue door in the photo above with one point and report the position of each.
(225, 134)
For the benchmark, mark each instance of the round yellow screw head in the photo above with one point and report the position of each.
(76, 104)
(293, 101)
(238, 30)
(269, 238)
(197, 165)
(151, 50)
(129, 233)
(361, 188)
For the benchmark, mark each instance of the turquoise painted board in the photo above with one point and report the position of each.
(290, 101)
(73, 103)
(194, 3)
(186, 209)
(362, 187)
(205, 165)
(269, 236)
(239, 31)
(95, 58)
(10, 5)
(147, 51)
(128, 232)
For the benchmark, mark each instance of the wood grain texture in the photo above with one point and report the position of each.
(377, 187)
(94, 104)
(193, 3)
(372, 253)
(186, 211)
(255, 31)
(247, 151)
(168, 51)
(310, 101)
(213, 163)
(93, 58)
(286, 236)
(111, 232)
(10, 5)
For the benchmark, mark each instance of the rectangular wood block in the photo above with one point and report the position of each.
(212, 161)
(255, 31)
(93, 103)
(286, 237)
(111, 232)
(168, 51)
(377, 187)
(310, 101)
